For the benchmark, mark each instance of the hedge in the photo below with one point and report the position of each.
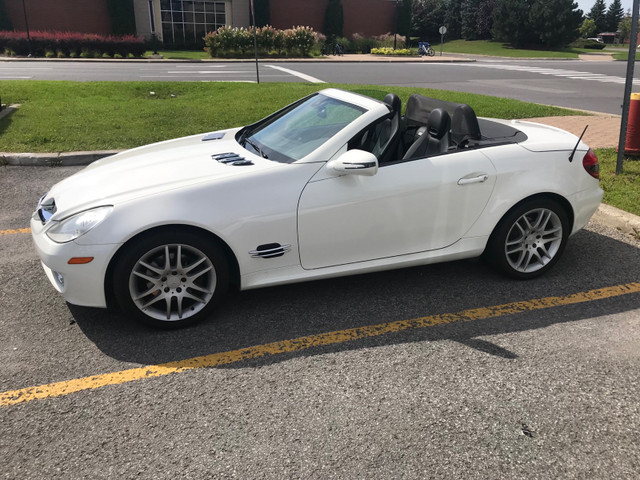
(238, 42)
(70, 44)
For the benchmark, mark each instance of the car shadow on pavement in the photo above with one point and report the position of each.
(262, 316)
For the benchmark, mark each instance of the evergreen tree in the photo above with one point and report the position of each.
(428, 16)
(333, 19)
(5, 21)
(556, 21)
(453, 19)
(403, 18)
(469, 14)
(262, 11)
(614, 16)
(598, 15)
(511, 23)
(123, 20)
(484, 18)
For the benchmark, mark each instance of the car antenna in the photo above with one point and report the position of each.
(576, 147)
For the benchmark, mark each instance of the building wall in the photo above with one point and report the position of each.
(86, 16)
(367, 17)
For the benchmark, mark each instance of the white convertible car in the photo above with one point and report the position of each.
(335, 184)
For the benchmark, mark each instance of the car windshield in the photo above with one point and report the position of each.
(298, 130)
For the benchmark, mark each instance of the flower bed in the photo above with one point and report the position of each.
(70, 44)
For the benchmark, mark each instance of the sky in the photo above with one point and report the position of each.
(585, 5)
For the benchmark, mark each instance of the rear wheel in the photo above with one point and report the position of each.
(170, 280)
(530, 239)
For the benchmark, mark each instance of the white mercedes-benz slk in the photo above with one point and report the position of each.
(334, 184)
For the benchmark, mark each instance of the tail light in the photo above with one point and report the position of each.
(591, 165)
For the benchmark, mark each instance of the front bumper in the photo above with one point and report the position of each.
(79, 284)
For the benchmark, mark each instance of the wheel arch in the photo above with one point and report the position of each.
(562, 201)
(234, 268)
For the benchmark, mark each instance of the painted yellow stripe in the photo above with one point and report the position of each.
(287, 346)
(15, 231)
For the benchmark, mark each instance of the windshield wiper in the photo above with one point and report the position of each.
(255, 147)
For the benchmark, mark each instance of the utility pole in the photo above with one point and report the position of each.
(633, 43)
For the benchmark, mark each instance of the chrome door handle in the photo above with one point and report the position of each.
(478, 179)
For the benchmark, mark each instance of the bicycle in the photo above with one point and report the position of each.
(424, 48)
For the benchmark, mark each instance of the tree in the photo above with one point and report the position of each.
(428, 16)
(262, 11)
(511, 23)
(624, 27)
(469, 14)
(453, 19)
(588, 28)
(403, 18)
(614, 15)
(333, 19)
(484, 18)
(556, 21)
(598, 15)
(123, 21)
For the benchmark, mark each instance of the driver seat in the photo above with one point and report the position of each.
(388, 134)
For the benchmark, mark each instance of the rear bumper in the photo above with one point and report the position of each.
(584, 205)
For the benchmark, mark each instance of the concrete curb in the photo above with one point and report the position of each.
(348, 58)
(64, 159)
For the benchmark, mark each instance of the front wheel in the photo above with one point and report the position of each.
(530, 239)
(170, 280)
(431, 52)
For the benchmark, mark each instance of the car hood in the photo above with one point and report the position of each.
(152, 169)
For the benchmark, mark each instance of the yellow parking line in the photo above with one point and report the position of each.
(15, 231)
(287, 346)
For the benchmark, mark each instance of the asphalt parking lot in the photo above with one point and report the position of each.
(445, 371)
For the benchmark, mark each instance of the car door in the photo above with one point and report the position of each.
(407, 207)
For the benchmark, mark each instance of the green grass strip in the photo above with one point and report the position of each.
(73, 116)
(621, 191)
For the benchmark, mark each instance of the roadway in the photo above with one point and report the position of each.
(589, 85)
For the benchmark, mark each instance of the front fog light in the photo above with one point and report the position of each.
(59, 279)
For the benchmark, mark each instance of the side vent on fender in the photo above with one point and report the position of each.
(231, 159)
(270, 250)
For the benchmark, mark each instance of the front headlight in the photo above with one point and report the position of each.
(77, 225)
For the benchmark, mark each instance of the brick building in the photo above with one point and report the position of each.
(187, 21)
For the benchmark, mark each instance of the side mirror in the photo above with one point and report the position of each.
(354, 162)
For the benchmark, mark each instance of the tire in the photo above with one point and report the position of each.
(431, 52)
(171, 279)
(529, 239)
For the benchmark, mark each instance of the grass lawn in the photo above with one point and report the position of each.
(621, 191)
(181, 54)
(72, 116)
(486, 47)
(624, 56)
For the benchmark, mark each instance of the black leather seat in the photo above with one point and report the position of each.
(436, 139)
(389, 130)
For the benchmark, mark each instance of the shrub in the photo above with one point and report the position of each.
(70, 44)
(585, 43)
(226, 41)
(391, 51)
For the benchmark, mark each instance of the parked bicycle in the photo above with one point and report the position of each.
(424, 48)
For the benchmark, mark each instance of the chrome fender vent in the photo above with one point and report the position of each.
(270, 250)
(231, 159)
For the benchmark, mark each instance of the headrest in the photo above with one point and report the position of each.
(438, 123)
(393, 101)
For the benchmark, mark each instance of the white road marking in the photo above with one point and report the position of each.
(572, 74)
(303, 76)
